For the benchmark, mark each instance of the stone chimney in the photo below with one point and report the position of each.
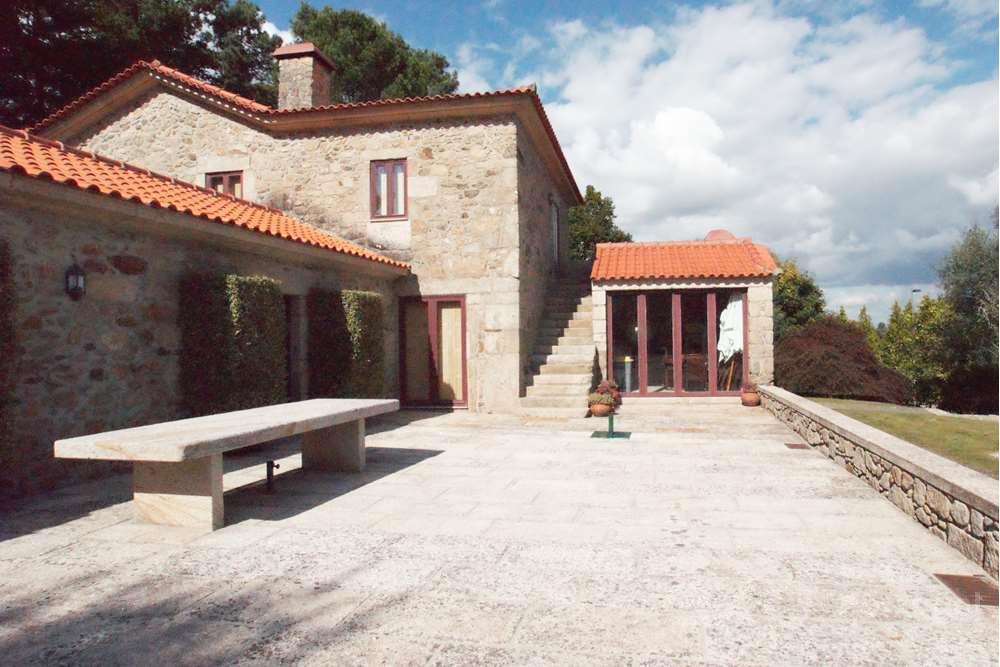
(303, 76)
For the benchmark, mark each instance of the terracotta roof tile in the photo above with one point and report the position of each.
(40, 158)
(735, 258)
(245, 104)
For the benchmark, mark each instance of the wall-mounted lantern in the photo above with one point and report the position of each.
(76, 282)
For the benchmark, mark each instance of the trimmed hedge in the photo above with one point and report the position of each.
(233, 339)
(346, 350)
(7, 340)
(828, 357)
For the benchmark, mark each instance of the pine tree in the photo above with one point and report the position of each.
(865, 322)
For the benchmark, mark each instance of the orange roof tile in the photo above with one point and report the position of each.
(245, 104)
(40, 158)
(714, 258)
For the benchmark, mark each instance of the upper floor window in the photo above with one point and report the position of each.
(388, 188)
(226, 182)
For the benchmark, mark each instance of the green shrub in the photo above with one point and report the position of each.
(345, 339)
(7, 340)
(232, 343)
(329, 351)
(363, 311)
(258, 354)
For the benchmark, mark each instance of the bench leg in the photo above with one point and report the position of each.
(339, 448)
(188, 493)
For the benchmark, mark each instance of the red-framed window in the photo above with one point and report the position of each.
(388, 189)
(226, 183)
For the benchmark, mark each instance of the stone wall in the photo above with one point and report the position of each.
(110, 360)
(760, 317)
(535, 191)
(957, 504)
(462, 231)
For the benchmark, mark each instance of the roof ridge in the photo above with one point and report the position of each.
(132, 167)
(253, 108)
(744, 240)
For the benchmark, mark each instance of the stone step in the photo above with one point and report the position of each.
(558, 357)
(576, 390)
(562, 378)
(579, 402)
(575, 338)
(562, 368)
(556, 316)
(565, 348)
(582, 325)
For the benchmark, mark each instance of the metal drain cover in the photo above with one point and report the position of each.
(797, 445)
(976, 589)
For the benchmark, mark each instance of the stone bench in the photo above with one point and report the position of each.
(177, 466)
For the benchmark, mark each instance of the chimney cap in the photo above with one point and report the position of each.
(299, 50)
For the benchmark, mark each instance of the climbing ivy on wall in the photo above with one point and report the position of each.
(345, 339)
(232, 343)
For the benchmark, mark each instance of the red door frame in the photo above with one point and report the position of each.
(676, 333)
(431, 304)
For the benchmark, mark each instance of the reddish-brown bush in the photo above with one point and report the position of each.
(829, 357)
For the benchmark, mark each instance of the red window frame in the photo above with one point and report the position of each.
(227, 182)
(390, 192)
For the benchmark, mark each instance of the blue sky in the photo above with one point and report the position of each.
(858, 137)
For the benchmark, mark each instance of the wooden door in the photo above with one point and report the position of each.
(433, 351)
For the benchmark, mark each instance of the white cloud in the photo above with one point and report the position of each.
(840, 143)
(286, 35)
(472, 68)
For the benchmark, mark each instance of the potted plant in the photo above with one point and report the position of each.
(605, 398)
(749, 396)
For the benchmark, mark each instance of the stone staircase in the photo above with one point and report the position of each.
(562, 365)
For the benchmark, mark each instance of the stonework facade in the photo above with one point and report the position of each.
(942, 502)
(760, 320)
(110, 360)
(478, 207)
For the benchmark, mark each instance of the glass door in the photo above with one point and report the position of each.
(694, 357)
(682, 342)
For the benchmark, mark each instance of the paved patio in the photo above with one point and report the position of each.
(702, 540)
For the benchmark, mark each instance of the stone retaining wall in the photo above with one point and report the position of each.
(953, 502)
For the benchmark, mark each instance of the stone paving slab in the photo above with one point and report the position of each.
(476, 539)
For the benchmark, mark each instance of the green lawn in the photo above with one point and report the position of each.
(971, 442)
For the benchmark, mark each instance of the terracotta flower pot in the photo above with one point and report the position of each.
(750, 398)
(600, 409)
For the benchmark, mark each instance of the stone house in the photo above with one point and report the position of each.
(454, 207)
(109, 357)
(471, 190)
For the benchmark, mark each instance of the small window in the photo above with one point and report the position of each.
(226, 183)
(388, 188)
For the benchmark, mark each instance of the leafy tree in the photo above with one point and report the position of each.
(969, 276)
(52, 51)
(871, 333)
(591, 223)
(798, 300)
(372, 61)
(913, 345)
(842, 316)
